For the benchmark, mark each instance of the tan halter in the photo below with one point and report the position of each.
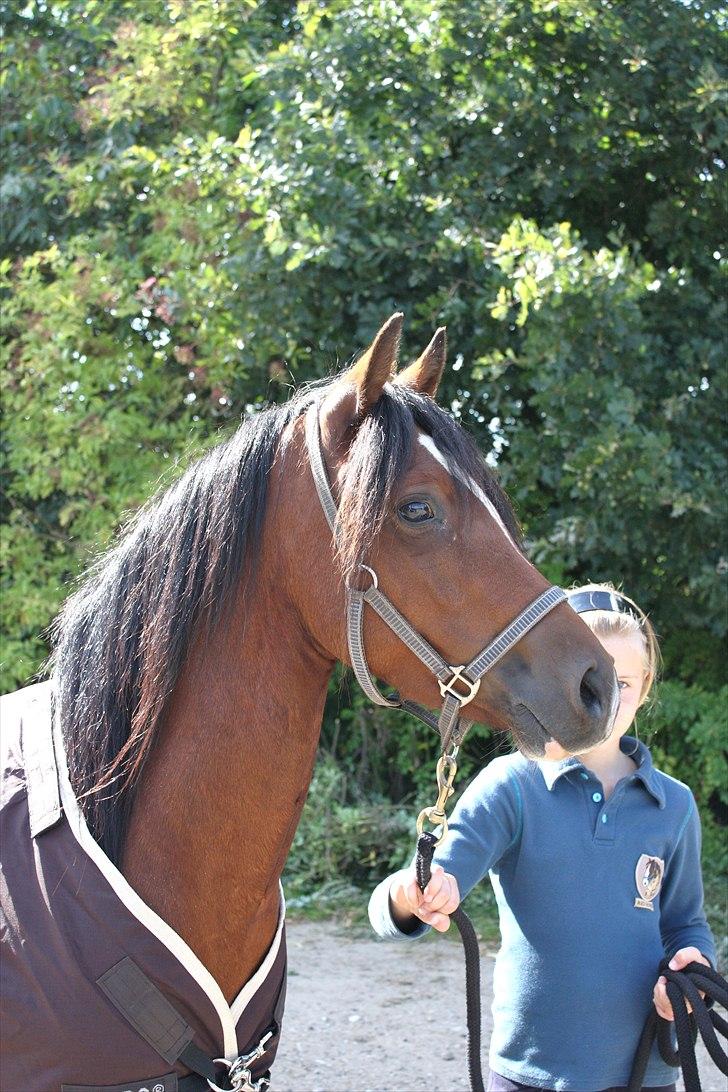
(458, 684)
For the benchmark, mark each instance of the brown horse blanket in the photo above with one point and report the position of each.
(71, 923)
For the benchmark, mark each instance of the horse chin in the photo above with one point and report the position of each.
(534, 741)
(528, 733)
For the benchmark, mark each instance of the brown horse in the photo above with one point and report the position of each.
(192, 666)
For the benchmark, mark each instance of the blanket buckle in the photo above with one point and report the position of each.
(239, 1071)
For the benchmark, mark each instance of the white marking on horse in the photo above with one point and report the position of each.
(429, 444)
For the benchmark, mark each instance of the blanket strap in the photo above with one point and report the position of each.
(149, 1012)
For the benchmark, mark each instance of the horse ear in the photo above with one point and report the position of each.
(360, 388)
(376, 366)
(425, 373)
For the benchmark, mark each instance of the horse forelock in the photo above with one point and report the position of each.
(380, 455)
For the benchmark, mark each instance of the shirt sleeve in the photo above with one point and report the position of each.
(485, 824)
(682, 918)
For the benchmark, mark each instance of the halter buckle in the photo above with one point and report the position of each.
(448, 687)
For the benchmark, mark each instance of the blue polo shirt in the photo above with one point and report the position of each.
(591, 894)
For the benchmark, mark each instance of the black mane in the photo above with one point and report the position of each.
(123, 637)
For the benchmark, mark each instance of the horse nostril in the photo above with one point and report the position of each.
(589, 693)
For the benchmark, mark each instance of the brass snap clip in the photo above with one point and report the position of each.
(447, 767)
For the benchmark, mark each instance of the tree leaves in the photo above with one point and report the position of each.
(204, 200)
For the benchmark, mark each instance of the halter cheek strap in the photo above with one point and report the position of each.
(458, 684)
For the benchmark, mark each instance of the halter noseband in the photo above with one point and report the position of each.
(458, 684)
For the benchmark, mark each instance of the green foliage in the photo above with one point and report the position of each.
(205, 200)
(614, 473)
(687, 727)
(338, 843)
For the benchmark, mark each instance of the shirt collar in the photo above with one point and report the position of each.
(645, 772)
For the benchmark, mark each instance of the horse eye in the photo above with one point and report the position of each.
(416, 511)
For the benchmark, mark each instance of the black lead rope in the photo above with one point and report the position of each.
(426, 843)
(684, 986)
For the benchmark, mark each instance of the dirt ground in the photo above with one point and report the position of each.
(368, 1016)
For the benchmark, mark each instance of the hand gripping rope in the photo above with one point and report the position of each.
(683, 987)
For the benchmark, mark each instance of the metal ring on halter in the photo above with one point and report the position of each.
(457, 676)
(375, 581)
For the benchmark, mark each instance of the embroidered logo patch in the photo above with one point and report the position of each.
(648, 877)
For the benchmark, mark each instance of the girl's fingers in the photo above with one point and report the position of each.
(413, 896)
(685, 956)
(443, 894)
(441, 897)
(435, 884)
(453, 900)
(437, 920)
(662, 1001)
(437, 902)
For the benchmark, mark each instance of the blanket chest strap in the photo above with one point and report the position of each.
(149, 1012)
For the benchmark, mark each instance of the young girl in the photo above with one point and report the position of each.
(595, 864)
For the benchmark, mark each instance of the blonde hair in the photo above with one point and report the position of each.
(610, 623)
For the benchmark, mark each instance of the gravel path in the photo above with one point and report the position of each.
(368, 1016)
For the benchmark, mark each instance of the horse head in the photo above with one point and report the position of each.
(418, 504)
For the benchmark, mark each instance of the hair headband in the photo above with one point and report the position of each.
(583, 601)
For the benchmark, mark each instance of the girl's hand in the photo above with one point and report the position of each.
(433, 905)
(678, 961)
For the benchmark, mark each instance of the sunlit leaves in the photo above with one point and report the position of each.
(206, 200)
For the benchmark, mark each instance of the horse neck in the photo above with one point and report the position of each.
(222, 794)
